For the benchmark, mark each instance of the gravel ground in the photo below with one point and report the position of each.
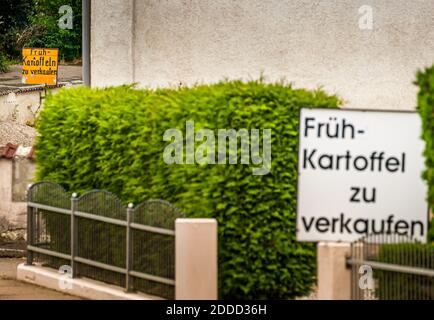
(16, 134)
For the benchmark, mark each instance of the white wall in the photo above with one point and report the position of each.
(111, 42)
(13, 214)
(309, 42)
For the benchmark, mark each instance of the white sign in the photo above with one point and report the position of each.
(360, 173)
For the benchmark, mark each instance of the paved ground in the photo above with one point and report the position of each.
(11, 289)
(13, 77)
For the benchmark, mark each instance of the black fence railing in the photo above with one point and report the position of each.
(97, 237)
(391, 267)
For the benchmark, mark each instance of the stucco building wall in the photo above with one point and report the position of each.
(310, 43)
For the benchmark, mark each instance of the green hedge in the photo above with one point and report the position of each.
(425, 101)
(113, 139)
(404, 286)
(3, 63)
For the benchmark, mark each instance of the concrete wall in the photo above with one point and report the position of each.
(112, 42)
(310, 43)
(13, 179)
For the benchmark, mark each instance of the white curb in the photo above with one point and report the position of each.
(84, 288)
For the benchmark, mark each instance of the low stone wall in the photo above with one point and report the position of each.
(20, 108)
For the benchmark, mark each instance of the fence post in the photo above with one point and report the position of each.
(196, 259)
(29, 235)
(334, 278)
(29, 229)
(73, 236)
(129, 251)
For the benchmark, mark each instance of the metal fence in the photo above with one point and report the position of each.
(101, 239)
(391, 267)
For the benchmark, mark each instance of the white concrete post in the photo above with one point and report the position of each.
(334, 278)
(196, 259)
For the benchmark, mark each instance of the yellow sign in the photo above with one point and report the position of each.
(40, 66)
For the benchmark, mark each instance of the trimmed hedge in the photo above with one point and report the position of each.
(425, 102)
(112, 139)
(404, 286)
